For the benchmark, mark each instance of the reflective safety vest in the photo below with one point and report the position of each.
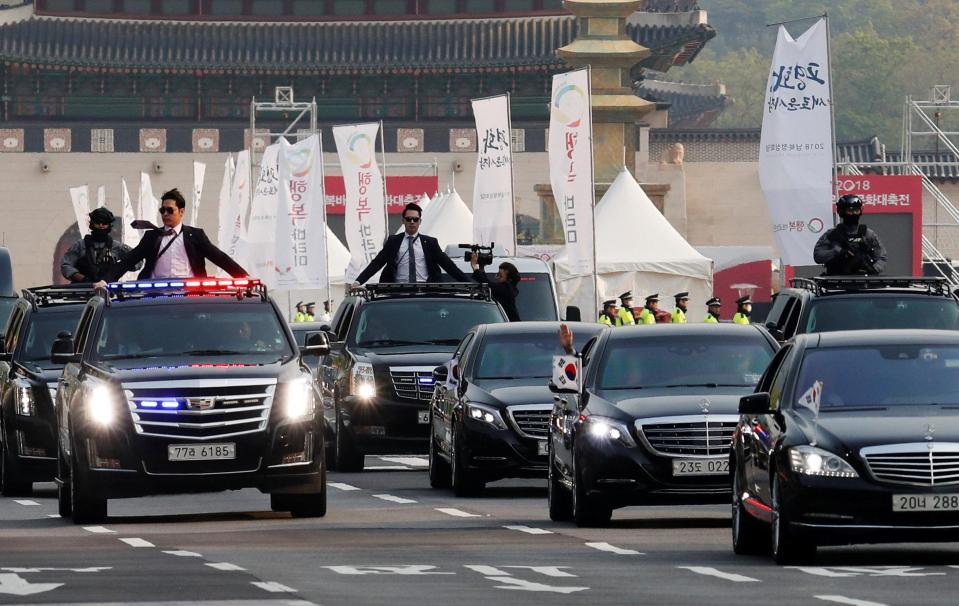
(300, 316)
(740, 318)
(626, 317)
(679, 316)
(604, 319)
(647, 316)
(711, 319)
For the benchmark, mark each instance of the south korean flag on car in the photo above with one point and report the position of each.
(812, 397)
(566, 372)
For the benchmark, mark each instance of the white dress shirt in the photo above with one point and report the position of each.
(174, 263)
(403, 261)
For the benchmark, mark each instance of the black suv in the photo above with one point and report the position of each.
(187, 386)
(28, 383)
(828, 304)
(377, 381)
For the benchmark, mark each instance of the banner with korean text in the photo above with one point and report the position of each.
(300, 220)
(796, 145)
(131, 237)
(80, 197)
(571, 166)
(259, 239)
(493, 215)
(365, 212)
(223, 207)
(199, 172)
(233, 216)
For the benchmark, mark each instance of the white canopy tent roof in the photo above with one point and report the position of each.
(337, 258)
(636, 250)
(450, 221)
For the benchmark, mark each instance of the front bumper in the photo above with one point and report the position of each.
(501, 453)
(386, 425)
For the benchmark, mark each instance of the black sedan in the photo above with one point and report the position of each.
(490, 419)
(851, 437)
(654, 418)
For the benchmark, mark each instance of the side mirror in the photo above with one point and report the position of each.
(553, 387)
(317, 344)
(755, 404)
(326, 328)
(440, 374)
(573, 314)
(63, 350)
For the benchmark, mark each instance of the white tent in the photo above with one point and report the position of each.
(636, 249)
(337, 258)
(450, 221)
(436, 203)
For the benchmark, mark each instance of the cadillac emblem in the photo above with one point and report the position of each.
(201, 403)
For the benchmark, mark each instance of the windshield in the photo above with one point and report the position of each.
(524, 356)
(193, 329)
(892, 375)
(867, 313)
(421, 321)
(535, 299)
(6, 306)
(42, 331)
(684, 361)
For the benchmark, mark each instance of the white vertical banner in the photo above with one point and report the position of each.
(232, 228)
(494, 219)
(796, 145)
(101, 196)
(365, 208)
(80, 197)
(225, 212)
(131, 237)
(148, 207)
(199, 172)
(300, 241)
(571, 167)
(257, 254)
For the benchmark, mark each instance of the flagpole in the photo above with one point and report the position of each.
(832, 115)
(386, 196)
(326, 240)
(512, 184)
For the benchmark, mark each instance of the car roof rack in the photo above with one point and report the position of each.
(239, 288)
(471, 290)
(823, 285)
(63, 294)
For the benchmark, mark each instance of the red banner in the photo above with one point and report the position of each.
(400, 191)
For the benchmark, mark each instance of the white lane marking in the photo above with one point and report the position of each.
(55, 569)
(713, 572)
(403, 570)
(99, 530)
(273, 587)
(487, 571)
(871, 571)
(16, 585)
(183, 554)
(524, 585)
(613, 549)
(838, 599)
(387, 468)
(136, 542)
(409, 461)
(457, 513)
(529, 530)
(226, 566)
(393, 499)
(53, 515)
(341, 486)
(26, 502)
(549, 571)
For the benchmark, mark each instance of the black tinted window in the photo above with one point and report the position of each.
(6, 306)
(42, 331)
(418, 321)
(535, 299)
(522, 356)
(868, 313)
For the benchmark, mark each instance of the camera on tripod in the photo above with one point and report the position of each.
(484, 254)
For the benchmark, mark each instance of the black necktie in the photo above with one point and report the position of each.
(412, 256)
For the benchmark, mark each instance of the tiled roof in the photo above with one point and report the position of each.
(429, 46)
(933, 171)
(690, 105)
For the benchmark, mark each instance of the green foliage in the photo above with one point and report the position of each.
(882, 50)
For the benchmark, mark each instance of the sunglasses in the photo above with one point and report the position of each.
(411, 219)
(166, 210)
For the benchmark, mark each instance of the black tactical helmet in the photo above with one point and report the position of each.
(102, 215)
(846, 202)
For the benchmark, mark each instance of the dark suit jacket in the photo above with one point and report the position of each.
(502, 293)
(198, 250)
(435, 260)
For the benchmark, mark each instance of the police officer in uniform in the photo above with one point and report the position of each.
(744, 307)
(850, 248)
(311, 311)
(300, 312)
(610, 314)
(682, 302)
(626, 311)
(92, 258)
(712, 310)
(648, 315)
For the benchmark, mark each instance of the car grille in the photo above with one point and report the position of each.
(689, 436)
(208, 409)
(919, 464)
(413, 383)
(531, 420)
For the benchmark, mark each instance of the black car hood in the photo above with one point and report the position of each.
(677, 401)
(42, 374)
(407, 356)
(512, 392)
(850, 431)
(141, 370)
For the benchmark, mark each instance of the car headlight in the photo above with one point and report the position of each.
(361, 381)
(23, 400)
(298, 400)
(604, 428)
(485, 414)
(101, 405)
(812, 461)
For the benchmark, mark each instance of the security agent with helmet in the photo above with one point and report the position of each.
(712, 310)
(92, 258)
(744, 308)
(682, 303)
(850, 248)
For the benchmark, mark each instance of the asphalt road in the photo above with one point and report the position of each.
(389, 539)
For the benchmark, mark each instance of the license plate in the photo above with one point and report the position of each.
(201, 452)
(541, 447)
(700, 467)
(925, 502)
(423, 416)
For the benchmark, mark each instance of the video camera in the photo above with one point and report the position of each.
(484, 254)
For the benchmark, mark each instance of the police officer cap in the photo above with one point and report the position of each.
(626, 296)
(652, 298)
(299, 303)
(610, 303)
(681, 295)
(713, 301)
(311, 304)
(743, 300)
(101, 215)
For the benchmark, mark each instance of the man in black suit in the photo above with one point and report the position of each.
(411, 256)
(175, 250)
